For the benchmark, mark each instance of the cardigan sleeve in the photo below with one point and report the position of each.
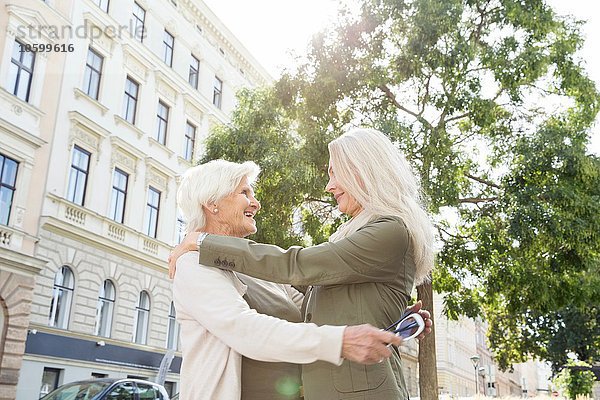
(372, 254)
(213, 298)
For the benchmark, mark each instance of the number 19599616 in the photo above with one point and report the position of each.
(57, 48)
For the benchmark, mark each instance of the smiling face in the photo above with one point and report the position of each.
(346, 202)
(235, 215)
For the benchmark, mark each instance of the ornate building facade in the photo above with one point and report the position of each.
(104, 105)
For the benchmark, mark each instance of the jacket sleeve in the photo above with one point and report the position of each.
(210, 296)
(372, 254)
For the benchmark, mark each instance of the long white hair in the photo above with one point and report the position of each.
(377, 175)
(208, 183)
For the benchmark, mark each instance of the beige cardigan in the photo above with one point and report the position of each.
(218, 327)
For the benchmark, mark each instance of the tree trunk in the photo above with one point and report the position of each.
(428, 382)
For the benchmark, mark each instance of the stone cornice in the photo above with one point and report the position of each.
(31, 140)
(20, 263)
(224, 35)
(20, 104)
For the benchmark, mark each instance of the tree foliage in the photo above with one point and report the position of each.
(491, 106)
(291, 184)
(576, 379)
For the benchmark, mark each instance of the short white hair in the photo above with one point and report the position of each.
(372, 169)
(208, 183)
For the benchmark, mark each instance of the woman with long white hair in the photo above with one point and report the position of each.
(364, 274)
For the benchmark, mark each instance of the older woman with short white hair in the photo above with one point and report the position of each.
(218, 326)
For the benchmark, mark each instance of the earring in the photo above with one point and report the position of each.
(216, 210)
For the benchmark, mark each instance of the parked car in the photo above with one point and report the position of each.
(109, 389)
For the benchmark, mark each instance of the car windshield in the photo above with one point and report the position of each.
(77, 391)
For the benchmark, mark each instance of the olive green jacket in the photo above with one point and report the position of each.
(366, 277)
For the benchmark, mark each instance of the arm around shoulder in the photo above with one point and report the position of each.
(369, 255)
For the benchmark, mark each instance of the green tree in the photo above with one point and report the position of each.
(292, 182)
(492, 108)
(575, 379)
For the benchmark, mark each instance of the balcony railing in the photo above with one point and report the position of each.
(150, 246)
(116, 232)
(75, 215)
(104, 227)
(11, 238)
(5, 236)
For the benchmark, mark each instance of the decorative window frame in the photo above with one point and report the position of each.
(86, 134)
(106, 41)
(21, 146)
(19, 18)
(156, 176)
(135, 65)
(125, 156)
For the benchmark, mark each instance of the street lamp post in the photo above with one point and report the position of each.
(475, 361)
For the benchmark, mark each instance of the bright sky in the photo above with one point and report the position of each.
(272, 30)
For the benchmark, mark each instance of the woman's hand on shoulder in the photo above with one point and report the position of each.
(187, 244)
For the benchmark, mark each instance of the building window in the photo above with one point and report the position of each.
(119, 196)
(168, 44)
(50, 380)
(80, 165)
(104, 310)
(152, 208)
(193, 75)
(172, 330)
(142, 317)
(162, 121)
(8, 179)
(98, 375)
(139, 19)
(189, 141)
(131, 98)
(64, 283)
(217, 92)
(21, 71)
(103, 4)
(93, 73)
